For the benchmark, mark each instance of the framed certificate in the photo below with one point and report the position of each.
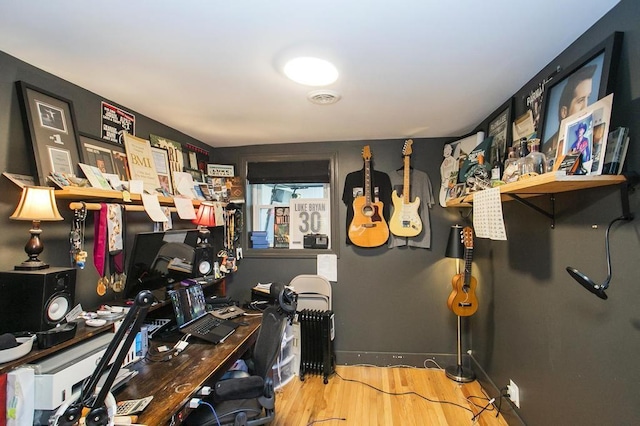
(141, 163)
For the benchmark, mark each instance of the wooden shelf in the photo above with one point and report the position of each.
(94, 194)
(548, 183)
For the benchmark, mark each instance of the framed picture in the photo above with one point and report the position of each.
(107, 156)
(220, 170)
(500, 129)
(161, 161)
(141, 164)
(50, 124)
(590, 78)
(586, 133)
(195, 173)
(176, 156)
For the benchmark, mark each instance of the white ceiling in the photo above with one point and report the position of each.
(211, 68)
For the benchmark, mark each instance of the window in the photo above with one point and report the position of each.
(290, 197)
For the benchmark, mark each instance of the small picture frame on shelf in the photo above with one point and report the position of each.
(109, 157)
(161, 161)
(196, 174)
(500, 129)
(220, 170)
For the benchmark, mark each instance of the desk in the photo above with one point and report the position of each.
(174, 382)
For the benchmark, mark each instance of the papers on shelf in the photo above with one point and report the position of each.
(185, 209)
(152, 207)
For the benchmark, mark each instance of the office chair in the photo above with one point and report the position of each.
(248, 399)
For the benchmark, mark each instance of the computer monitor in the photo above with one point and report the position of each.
(149, 262)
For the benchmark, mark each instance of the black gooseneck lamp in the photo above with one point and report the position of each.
(455, 250)
(588, 283)
(582, 279)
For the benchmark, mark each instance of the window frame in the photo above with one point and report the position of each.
(333, 200)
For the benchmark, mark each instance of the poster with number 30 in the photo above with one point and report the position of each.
(308, 216)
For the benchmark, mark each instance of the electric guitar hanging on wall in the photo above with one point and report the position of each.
(405, 220)
(462, 300)
(368, 227)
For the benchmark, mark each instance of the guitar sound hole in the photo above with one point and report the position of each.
(368, 211)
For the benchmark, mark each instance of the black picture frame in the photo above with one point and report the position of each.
(197, 174)
(50, 125)
(602, 63)
(93, 149)
(499, 126)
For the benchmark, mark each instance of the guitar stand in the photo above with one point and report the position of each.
(459, 373)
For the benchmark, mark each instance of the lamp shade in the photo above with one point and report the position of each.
(37, 203)
(205, 216)
(455, 248)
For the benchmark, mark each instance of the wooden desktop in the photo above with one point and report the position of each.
(174, 382)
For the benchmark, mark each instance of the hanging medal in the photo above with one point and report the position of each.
(115, 228)
(100, 248)
(77, 253)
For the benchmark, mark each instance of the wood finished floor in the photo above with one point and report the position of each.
(342, 402)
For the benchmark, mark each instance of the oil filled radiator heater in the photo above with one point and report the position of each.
(316, 343)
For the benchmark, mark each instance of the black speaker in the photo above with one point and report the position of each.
(203, 261)
(35, 300)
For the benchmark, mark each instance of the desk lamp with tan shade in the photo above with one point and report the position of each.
(37, 204)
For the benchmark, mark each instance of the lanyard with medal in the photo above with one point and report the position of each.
(77, 252)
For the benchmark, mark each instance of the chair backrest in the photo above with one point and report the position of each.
(314, 292)
(170, 251)
(269, 340)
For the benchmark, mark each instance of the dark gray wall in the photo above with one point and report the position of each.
(572, 354)
(386, 300)
(14, 158)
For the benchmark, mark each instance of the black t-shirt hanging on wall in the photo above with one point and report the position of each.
(354, 186)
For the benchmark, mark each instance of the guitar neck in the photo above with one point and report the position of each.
(407, 174)
(468, 260)
(367, 182)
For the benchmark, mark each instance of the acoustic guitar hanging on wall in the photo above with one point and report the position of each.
(462, 300)
(368, 227)
(405, 220)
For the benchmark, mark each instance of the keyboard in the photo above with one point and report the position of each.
(207, 324)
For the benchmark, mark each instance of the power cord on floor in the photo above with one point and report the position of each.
(435, 401)
(326, 420)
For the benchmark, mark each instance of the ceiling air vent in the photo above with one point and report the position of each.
(323, 97)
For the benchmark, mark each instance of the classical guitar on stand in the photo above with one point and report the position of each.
(368, 227)
(405, 220)
(462, 300)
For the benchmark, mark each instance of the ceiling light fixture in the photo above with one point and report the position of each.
(311, 71)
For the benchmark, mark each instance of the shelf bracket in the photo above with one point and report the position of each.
(551, 215)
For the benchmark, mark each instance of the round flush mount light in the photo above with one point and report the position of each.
(311, 71)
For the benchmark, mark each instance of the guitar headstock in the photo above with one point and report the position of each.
(467, 237)
(366, 153)
(406, 149)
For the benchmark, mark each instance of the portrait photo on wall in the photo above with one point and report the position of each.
(573, 90)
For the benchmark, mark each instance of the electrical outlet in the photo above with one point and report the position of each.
(514, 393)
